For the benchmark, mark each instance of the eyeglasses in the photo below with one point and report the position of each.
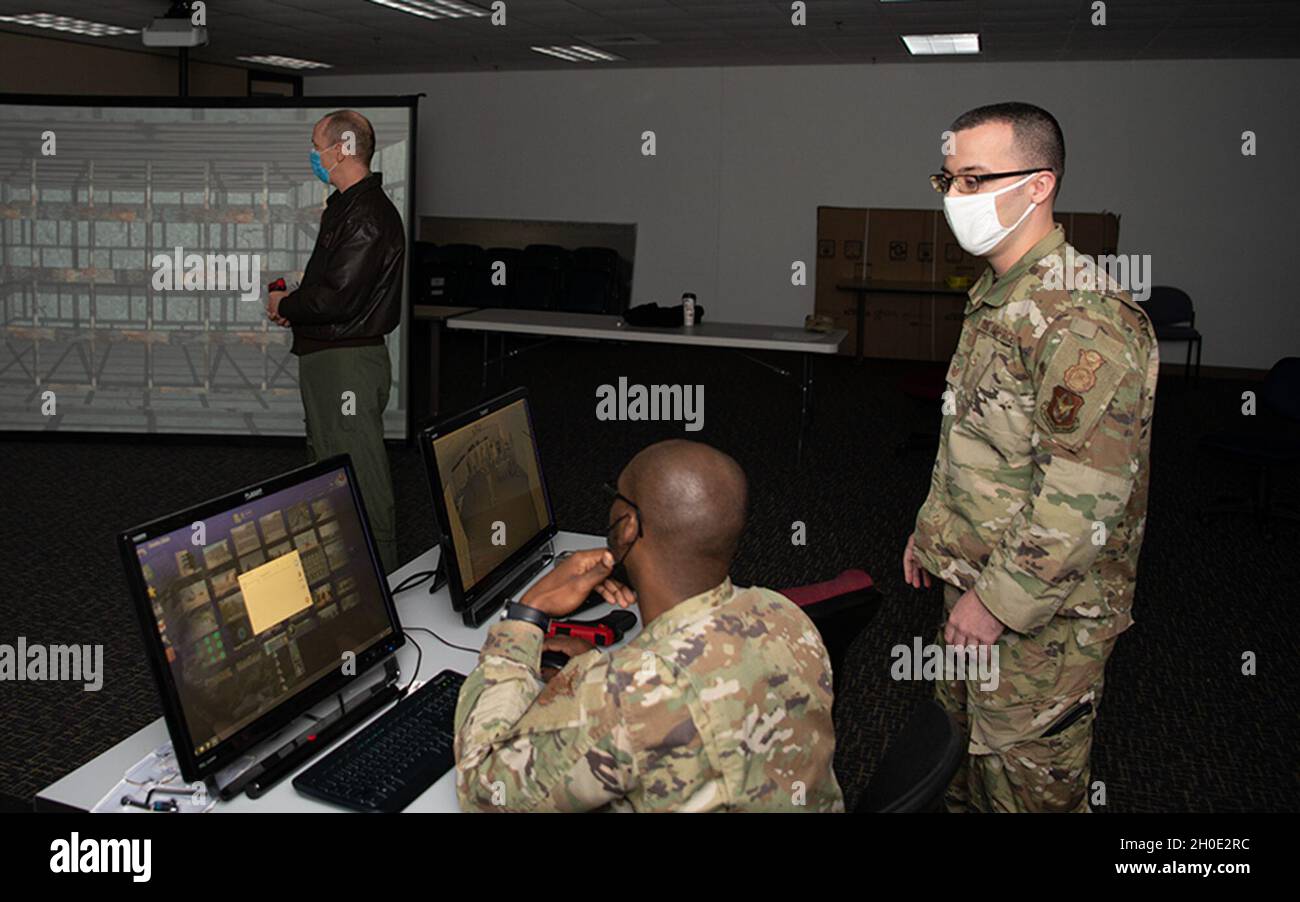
(616, 495)
(969, 184)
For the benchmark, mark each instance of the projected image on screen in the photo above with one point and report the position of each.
(92, 197)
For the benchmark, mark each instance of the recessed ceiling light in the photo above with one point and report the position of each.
(928, 44)
(435, 9)
(576, 53)
(69, 24)
(285, 62)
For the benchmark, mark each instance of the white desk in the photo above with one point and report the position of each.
(560, 324)
(607, 327)
(84, 787)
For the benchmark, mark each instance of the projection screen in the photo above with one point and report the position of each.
(100, 205)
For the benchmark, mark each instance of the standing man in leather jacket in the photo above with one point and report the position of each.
(350, 298)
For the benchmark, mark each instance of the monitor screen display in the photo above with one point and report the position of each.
(491, 484)
(255, 603)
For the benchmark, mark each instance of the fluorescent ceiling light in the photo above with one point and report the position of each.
(576, 53)
(928, 44)
(435, 9)
(69, 24)
(285, 62)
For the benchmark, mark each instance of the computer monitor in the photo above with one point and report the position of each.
(489, 496)
(258, 605)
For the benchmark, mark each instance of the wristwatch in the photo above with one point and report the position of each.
(516, 611)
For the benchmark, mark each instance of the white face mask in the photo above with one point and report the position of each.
(973, 219)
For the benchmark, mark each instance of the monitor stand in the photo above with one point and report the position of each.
(260, 777)
(440, 571)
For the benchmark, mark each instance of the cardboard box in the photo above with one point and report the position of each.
(1066, 222)
(1091, 233)
(898, 326)
(886, 244)
(884, 325)
(849, 323)
(894, 244)
(1109, 233)
(841, 232)
(1085, 233)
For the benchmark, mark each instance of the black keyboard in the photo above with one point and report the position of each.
(393, 759)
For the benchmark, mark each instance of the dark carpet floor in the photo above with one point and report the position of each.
(1181, 727)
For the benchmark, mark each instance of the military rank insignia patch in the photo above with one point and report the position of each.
(1082, 376)
(1062, 410)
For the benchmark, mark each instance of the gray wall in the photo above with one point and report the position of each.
(36, 65)
(745, 156)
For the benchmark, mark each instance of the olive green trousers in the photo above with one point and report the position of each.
(344, 393)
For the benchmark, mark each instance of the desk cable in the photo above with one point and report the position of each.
(414, 580)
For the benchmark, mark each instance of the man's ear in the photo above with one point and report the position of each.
(1042, 186)
(625, 531)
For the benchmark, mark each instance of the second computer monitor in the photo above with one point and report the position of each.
(489, 494)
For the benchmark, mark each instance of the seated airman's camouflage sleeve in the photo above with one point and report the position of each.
(526, 745)
(1089, 383)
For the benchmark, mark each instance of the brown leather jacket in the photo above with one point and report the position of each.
(351, 291)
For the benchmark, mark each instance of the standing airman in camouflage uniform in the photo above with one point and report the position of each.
(1038, 496)
(721, 703)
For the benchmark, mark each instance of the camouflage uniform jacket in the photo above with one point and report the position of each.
(721, 703)
(1039, 492)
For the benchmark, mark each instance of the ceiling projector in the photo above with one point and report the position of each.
(176, 29)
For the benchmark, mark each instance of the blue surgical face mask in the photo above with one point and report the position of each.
(318, 167)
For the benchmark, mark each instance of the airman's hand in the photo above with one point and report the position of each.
(913, 573)
(970, 623)
(560, 592)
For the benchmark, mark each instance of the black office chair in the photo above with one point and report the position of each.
(592, 285)
(1174, 318)
(542, 270)
(1270, 444)
(449, 274)
(424, 252)
(488, 294)
(926, 386)
(918, 765)
(840, 620)
(424, 290)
